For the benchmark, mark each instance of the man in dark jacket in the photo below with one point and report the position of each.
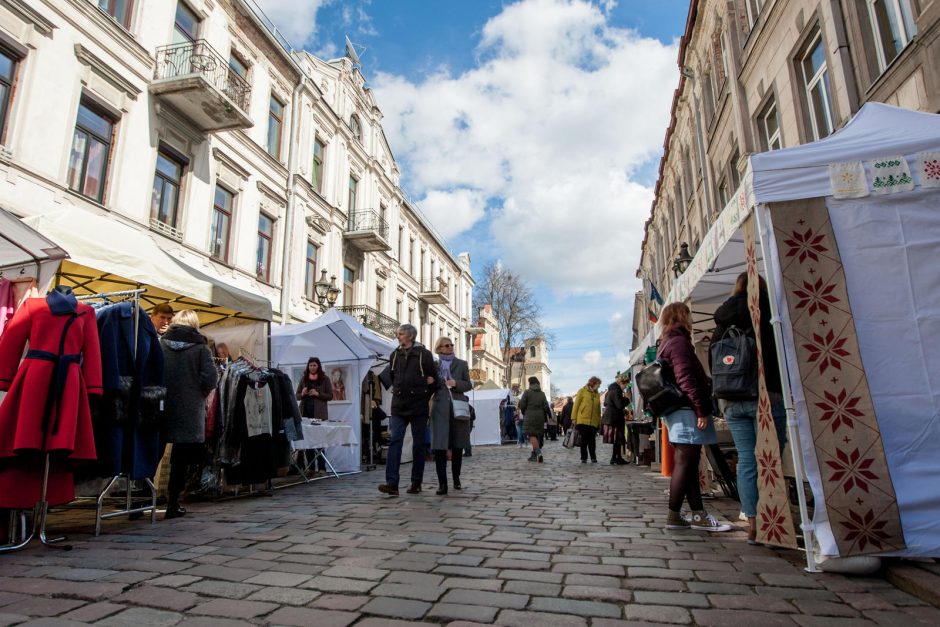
(566, 414)
(412, 376)
(615, 409)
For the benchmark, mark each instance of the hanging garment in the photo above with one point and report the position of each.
(46, 406)
(7, 304)
(258, 405)
(127, 432)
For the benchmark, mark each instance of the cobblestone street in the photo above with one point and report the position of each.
(558, 543)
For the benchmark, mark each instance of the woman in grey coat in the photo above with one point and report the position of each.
(447, 431)
(190, 376)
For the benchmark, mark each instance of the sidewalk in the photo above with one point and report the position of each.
(558, 543)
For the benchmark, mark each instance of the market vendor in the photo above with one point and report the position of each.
(161, 316)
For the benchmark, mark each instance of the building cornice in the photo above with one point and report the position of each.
(28, 14)
(121, 36)
(102, 69)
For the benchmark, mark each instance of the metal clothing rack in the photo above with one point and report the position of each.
(134, 297)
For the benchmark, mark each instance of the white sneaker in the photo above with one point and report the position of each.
(701, 521)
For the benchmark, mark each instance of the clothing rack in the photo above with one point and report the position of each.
(134, 297)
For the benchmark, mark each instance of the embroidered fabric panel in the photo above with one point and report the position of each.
(860, 499)
(774, 519)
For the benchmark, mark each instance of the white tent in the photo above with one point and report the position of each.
(342, 344)
(26, 253)
(886, 233)
(486, 407)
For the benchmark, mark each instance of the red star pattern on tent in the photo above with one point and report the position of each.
(852, 469)
(839, 410)
(865, 529)
(805, 246)
(815, 296)
(768, 468)
(772, 521)
(827, 351)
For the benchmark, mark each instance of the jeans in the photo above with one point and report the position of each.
(520, 436)
(397, 425)
(742, 422)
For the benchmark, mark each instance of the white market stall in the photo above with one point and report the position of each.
(846, 232)
(486, 407)
(348, 351)
(25, 255)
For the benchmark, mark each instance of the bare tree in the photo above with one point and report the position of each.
(514, 307)
(556, 391)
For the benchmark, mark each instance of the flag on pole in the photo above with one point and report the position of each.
(654, 294)
(652, 317)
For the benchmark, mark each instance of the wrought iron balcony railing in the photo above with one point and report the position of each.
(372, 319)
(367, 220)
(198, 57)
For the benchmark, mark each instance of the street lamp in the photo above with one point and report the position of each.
(333, 292)
(326, 291)
(682, 262)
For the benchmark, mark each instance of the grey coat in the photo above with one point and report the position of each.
(446, 431)
(534, 407)
(190, 376)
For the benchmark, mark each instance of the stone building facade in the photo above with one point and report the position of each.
(759, 75)
(488, 364)
(530, 360)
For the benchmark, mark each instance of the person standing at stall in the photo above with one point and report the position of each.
(615, 409)
(412, 376)
(314, 391)
(586, 418)
(690, 426)
(190, 375)
(449, 432)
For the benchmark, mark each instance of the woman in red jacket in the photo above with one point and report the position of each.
(690, 426)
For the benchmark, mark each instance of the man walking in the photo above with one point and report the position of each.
(412, 376)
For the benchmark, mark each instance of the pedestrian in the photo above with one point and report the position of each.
(449, 432)
(161, 316)
(586, 418)
(691, 425)
(741, 415)
(615, 409)
(566, 415)
(520, 430)
(314, 392)
(412, 376)
(190, 375)
(533, 406)
(552, 419)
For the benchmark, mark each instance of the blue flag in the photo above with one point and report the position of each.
(654, 294)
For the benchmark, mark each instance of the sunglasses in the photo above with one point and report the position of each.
(447, 345)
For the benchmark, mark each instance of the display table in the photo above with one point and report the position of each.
(634, 429)
(319, 437)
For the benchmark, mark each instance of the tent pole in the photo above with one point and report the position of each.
(762, 216)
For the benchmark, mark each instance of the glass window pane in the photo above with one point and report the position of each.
(186, 23)
(274, 136)
(167, 167)
(223, 199)
(7, 63)
(94, 122)
(240, 68)
(168, 208)
(218, 245)
(76, 159)
(265, 225)
(94, 169)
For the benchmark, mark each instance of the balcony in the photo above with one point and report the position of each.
(434, 292)
(196, 81)
(372, 319)
(367, 231)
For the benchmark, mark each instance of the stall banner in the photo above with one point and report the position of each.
(890, 175)
(929, 163)
(774, 519)
(860, 500)
(848, 180)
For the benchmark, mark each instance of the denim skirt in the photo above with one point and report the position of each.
(683, 428)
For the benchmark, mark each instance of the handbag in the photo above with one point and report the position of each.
(461, 408)
(572, 439)
(657, 384)
(734, 366)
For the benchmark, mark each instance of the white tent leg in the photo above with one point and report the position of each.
(762, 215)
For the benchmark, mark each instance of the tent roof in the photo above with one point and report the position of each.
(21, 245)
(877, 130)
(112, 255)
(332, 336)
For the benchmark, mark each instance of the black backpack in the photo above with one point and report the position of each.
(657, 385)
(734, 366)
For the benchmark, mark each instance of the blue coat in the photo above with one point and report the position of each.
(126, 433)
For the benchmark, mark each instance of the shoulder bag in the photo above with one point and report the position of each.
(461, 408)
(657, 384)
(734, 366)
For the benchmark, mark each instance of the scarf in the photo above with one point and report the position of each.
(446, 361)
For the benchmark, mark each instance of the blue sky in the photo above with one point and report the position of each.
(529, 132)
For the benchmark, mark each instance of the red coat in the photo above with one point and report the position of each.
(30, 383)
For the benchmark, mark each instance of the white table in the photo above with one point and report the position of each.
(321, 436)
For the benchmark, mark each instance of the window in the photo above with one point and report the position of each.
(411, 258)
(532, 351)
(275, 124)
(723, 194)
(398, 309)
(423, 255)
(220, 226)
(310, 271)
(378, 298)
(265, 245)
(353, 190)
(733, 176)
(91, 148)
(7, 74)
(816, 83)
(383, 213)
(753, 10)
(355, 127)
(892, 26)
(185, 25)
(349, 277)
(120, 10)
(238, 66)
(319, 149)
(769, 126)
(164, 202)
(401, 245)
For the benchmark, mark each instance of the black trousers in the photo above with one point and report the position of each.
(440, 464)
(588, 441)
(183, 458)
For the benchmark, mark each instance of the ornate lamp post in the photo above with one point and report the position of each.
(682, 262)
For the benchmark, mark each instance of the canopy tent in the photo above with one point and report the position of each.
(853, 299)
(486, 407)
(26, 253)
(345, 346)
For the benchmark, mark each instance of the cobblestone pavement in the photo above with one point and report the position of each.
(558, 543)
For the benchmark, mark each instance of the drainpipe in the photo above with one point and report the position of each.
(289, 220)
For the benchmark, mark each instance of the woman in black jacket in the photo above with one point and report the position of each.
(690, 426)
(741, 415)
(314, 391)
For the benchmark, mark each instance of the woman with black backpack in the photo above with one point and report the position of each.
(741, 414)
(690, 425)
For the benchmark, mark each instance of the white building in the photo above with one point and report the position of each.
(188, 128)
(488, 364)
(530, 360)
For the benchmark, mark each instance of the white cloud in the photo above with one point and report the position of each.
(295, 19)
(560, 110)
(592, 358)
(453, 211)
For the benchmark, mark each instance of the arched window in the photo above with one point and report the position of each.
(355, 126)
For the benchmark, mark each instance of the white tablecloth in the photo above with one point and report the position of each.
(325, 435)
